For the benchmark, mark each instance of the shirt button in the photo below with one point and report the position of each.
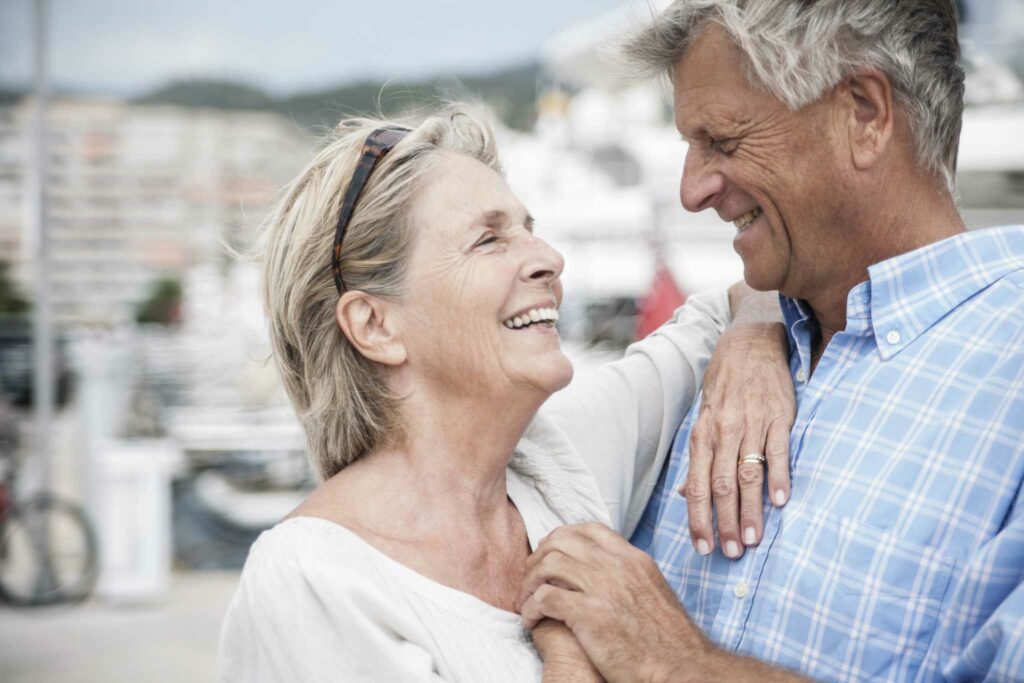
(893, 337)
(801, 376)
(741, 589)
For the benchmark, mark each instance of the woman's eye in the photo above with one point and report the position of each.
(487, 240)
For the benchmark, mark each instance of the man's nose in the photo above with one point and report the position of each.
(701, 185)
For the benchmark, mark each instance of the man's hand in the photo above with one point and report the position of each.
(623, 614)
(748, 407)
(615, 601)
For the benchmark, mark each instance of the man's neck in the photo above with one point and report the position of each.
(910, 224)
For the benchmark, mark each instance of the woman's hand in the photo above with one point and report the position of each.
(748, 408)
(564, 659)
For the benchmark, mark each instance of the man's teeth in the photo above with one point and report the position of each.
(746, 219)
(534, 315)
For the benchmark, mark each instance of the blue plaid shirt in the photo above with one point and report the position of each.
(900, 555)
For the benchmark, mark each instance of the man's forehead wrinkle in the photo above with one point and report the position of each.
(711, 118)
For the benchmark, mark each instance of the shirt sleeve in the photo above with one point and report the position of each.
(622, 416)
(996, 651)
(290, 621)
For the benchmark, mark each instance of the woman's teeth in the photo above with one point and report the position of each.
(744, 221)
(533, 316)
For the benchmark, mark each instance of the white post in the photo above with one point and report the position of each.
(42, 323)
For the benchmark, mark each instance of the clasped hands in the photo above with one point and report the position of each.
(613, 598)
(611, 595)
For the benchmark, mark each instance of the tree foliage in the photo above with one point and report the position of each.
(11, 301)
(163, 306)
(511, 92)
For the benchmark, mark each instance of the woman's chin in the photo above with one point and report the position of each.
(547, 377)
(560, 375)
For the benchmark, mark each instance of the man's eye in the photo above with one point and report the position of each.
(489, 239)
(724, 145)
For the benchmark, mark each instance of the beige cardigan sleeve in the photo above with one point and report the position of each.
(622, 416)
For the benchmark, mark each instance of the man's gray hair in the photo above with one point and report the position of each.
(798, 50)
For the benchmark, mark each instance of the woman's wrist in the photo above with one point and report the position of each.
(748, 306)
(564, 660)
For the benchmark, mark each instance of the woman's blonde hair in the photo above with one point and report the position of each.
(341, 397)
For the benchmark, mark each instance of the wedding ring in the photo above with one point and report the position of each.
(753, 459)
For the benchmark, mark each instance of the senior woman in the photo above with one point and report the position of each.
(412, 313)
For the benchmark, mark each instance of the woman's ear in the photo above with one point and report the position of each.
(366, 322)
(871, 116)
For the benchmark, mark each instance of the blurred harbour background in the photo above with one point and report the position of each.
(170, 129)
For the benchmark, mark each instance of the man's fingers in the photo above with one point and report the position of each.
(698, 490)
(750, 478)
(564, 539)
(551, 602)
(556, 568)
(777, 452)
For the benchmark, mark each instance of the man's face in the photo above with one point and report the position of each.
(772, 172)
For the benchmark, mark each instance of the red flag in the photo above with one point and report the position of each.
(660, 303)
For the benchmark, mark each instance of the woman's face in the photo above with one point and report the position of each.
(475, 268)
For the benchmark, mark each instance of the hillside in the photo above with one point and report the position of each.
(511, 92)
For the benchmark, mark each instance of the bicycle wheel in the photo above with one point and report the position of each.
(48, 553)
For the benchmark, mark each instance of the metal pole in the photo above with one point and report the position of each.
(42, 323)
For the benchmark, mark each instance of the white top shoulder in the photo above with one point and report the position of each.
(318, 603)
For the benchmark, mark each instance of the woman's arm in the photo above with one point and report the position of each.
(564, 658)
(622, 416)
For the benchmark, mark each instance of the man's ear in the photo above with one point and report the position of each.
(366, 322)
(871, 118)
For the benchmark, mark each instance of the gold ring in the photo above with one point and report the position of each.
(752, 459)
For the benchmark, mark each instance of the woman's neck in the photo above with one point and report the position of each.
(449, 471)
(437, 502)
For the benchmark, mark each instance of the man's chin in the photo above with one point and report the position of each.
(760, 280)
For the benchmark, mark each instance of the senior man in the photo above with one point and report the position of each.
(827, 132)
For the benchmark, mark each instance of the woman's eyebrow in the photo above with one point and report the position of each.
(495, 218)
(498, 218)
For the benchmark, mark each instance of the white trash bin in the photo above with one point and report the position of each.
(132, 510)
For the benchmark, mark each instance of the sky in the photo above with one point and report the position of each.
(129, 46)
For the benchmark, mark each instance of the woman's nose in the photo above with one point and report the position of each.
(546, 262)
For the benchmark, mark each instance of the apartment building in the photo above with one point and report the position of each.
(136, 193)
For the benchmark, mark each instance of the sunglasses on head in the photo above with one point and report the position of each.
(375, 147)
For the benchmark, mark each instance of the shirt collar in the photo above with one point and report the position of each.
(909, 293)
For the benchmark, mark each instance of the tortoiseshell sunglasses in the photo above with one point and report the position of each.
(377, 144)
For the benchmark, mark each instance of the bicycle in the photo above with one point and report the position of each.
(48, 549)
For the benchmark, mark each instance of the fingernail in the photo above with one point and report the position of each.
(749, 535)
(702, 547)
(780, 497)
(732, 549)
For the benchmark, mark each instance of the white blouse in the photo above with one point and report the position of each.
(318, 603)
